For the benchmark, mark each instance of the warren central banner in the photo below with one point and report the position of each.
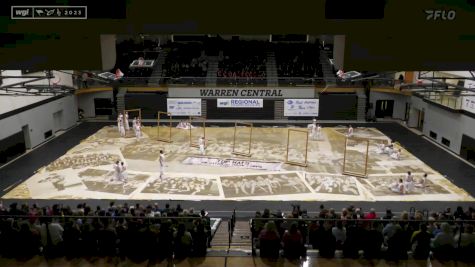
(240, 103)
(301, 107)
(247, 92)
(184, 106)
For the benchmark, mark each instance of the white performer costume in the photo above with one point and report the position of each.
(134, 123)
(409, 183)
(162, 164)
(120, 125)
(380, 148)
(350, 131)
(126, 121)
(138, 128)
(313, 129)
(319, 132)
(123, 172)
(396, 155)
(117, 170)
(398, 187)
(201, 143)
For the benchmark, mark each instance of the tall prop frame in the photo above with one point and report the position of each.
(193, 141)
(169, 139)
(345, 171)
(305, 135)
(249, 125)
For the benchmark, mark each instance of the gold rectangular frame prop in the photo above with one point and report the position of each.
(236, 124)
(169, 139)
(346, 172)
(302, 164)
(203, 122)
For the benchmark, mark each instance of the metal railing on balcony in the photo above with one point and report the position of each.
(444, 98)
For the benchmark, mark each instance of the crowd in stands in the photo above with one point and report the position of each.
(238, 60)
(364, 234)
(298, 60)
(134, 231)
(185, 60)
(242, 59)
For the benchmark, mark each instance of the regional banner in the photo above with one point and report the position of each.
(184, 106)
(240, 103)
(301, 107)
(468, 103)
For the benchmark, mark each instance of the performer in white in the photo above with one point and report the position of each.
(202, 144)
(350, 131)
(409, 183)
(123, 172)
(126, 121)
(389, 149)
(398, 187)
(380, 148)
(162, 163)
(120, 125)
(116, 168)
(138, 129)
(313, 129)
(134, 123)
(396, 154)
(319, 132)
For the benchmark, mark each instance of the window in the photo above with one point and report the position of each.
(446, 142)
(433, 135)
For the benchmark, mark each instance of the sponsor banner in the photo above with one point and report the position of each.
(301, 107)
(234, 163)
(247, 92)
(240, 103)
(184, 106)
(469, 84)
(468, 103)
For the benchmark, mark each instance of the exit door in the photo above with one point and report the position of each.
(384, 108)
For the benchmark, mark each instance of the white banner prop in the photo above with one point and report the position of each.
(468, 103)
(233, 163)
(240, 103)
(184, 106)
(301, 107)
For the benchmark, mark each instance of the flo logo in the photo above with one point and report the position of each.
(440, 14)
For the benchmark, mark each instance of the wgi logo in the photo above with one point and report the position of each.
(440, 14)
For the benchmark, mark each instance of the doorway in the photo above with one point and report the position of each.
(420, 120)
(384, 108)
(407, 112)
(26, 136)
(467, 149)
(57, 120)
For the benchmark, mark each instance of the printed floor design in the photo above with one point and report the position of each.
(85, 171)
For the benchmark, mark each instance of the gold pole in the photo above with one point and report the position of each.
(366, 162)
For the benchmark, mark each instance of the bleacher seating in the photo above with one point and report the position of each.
(298, 60)
(185, 60)
(242, 62)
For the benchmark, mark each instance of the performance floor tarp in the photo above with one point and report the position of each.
(85, 171)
